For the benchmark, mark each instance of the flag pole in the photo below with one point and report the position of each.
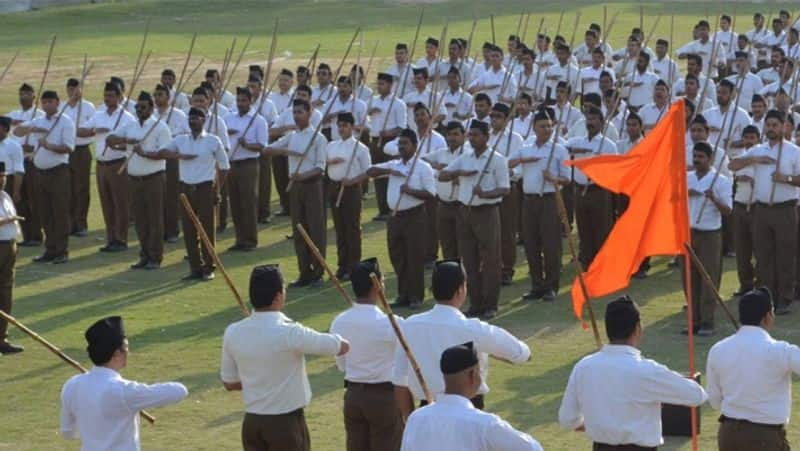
(710, 284)
(687, 272)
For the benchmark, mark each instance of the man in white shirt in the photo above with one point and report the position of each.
(80, 159)
(203, 165)
(180, 98)
(562, 71)
(725, 35)
(483, 180)
(372, 419)
(704, 86)
(699, 132)
(542, 167)
(742, 215)
(388, 116)
(401, 71)
(652, 113)
(496, 81)
(411, 184)
(305, 148)
(146, 136)
(726, 120)
(11, 155)
(750, 379)
(710, 50)
(344, 102)
(758, 36)
(751, 84)
(453, 423)
(775, 193)
(111, 185)
(640, 83)
(615, 394)
(664, 66)
(710, 198)
(26, 203)
(348, 161)
(263, 356)
(422, 93)
(361, 90)
(430, 61)
(100, 407)
(590, 75)
(584, 52)
(283, 96)
(227, 99)
(431, 332)
(54, 135)
(457, 102)
(9, 229)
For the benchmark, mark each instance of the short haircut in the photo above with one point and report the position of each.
(421, 106)
(73, 83)
(25, 88)
(694, 57)
(50, 95)
(360, 276)
(200, 91)
(304, 88)
(168, 72)
(751, 130)
(454, 125)
(408, 134)
(448, 276)
(622, 317)
(482, 97)
(592, 110)
(287, 72)
(775, 114)
(754, 306)
(591, 98)
(726, 83)
(302, 104)
(703, 147)
(635, 117)
(645, 55)
(323, 66)
(266, 282)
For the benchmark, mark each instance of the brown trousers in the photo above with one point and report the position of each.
(114, 199)
(280, 171)
(381, 184)
(593, 214)
(347, 223)
(242, 183)
(479, 247)
(8, 260)
(447, 217)
(708, 247)
(26, 207)
(148, 214)
(541, 230)
(201, 198)
(775, 240)
(264, 187)
(53, 190)
(739, 435)
(743, 241)
(372, 419)
(285, 432)
(307, 205)
(509, 218)
(404, 231)
(604, 447)
(432, 230)
(224, 205)
(80, 168)
(172, 205)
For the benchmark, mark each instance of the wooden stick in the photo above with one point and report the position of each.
(38, 94)
(229, 77)
(312, 65)
(671, 49)
(641, 16)
(361, 81)
(560, 20)
(55, 350)
(399, 333)
(201, 232)
(525, 28)
(710, 284)
(708, 73)
(491, 20)
(124, 106)
(356, 80)
(321, 260)
(8, 66)
(519, 24)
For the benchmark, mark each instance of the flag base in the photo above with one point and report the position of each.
(677, 420)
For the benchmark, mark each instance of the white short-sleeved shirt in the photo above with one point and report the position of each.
(640, 92)
(762, 173)
(111, 122)
(61, 132)
(210, 155)
(403, 78)
(87, 110)
(533, 173)
(11, 230)
(175, 119)
(598, 145)
(298, 141)
(421, 179)
(351, 105)
(344, 149)
(22, 116)
(723, 191)
(157, 139)
(372, 344)
(215, 125)
(395, 108)
(446, 191)
(724, 124)
(495, 175)
(11, 154)
(257, 133)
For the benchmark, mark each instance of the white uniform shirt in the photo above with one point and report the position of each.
(723, 124)
(372, 344)
(266, 353)
(454, 424)
(215, 125)
(428, 334)
(176, 120)
(459, 102)
(286, 119)
(258, 133)
(298, 142)
(598, 145)
(227, 99)
(62, 132)
(268, 110)
(533, 83)
(496, 82)
(760, 37)
(567, 116)
(568, 73)
(705, 50)
(533, 173)
(11, 230)
(281, 100)
(625, 145)
(496, 175)
(611, 132)
(750, 85)
(522, 125)
(363, 93)
(210, 155)
(383, 105)
(422, 179)
(750, 376)
(157, 139)
(710, 89)
(87, 110)
(640, 90)
(744, 189)
(723, 191)
(590, 80)
(789, 165)
(426, 98)
(666, 69)
(359, 111)
(726, 39)
(324, 95)
(11, 155)
(446, 191)
(398, 73)
(436, 141)
(719, 159)
(101, 119)
(505, 145)
(768, 75)
(617, 379)
(651, 114)
(102, 409)
(182, 102)
(23, 116)
(344, 149)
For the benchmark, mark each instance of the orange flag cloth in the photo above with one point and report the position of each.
(653, 176)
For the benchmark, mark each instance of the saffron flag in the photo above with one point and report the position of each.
(653, 176)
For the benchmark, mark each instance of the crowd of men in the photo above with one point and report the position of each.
(465, 157)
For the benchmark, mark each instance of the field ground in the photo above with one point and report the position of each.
(175, 328)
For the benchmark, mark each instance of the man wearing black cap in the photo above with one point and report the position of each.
(263, 356)
(495, 81)
(749, 380)
(774, 215)
(80, 159)
(325, 89)
(9, 229)
(615, 394)
(422, 93)
(226, 98)
(111, 185)
(348, 161)
(401, 71)
(344, 102)
(11, 155)
(146, 178)
(54, 135)
(751, 84)
(26, 202)
(203, 164)
(181, 99)
(283, 96)
(371, 416)
(430, 333)
(430, 61)
(457, 102)
(452, 422)
(406, 226)
(387, 117)
(479, 232)
(243, 180)
(100, 407)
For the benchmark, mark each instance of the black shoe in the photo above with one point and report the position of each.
(549, 296)
(60, 259)
(82, 233)
(171, 239)
(289, 237)
(473, 313)
(315, 284)
(340, 273)
(207, 276)
(640, 274)
(8, 348)
(44, 258)
(381, 217)
(345, 277)
(705, 331)
(685, 330)
(193, 276)
(282, 213)
(430, 264)
(783, 309)
(235, 248)
(533, 295)
(266, 220)
(140, 264)
(415, 304)
(507, 280)
(489, 314)
(31, 243)
(152, 265)
(114, 246)
(299, 283)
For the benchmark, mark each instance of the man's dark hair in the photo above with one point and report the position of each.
(448, 276)
(754, 306)
(622, 316)
(302, 104)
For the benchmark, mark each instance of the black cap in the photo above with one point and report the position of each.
(257, 69)
(383, 76)
(113, 87)
(265, 282)
(432, 41)
(448, 275)
(346, 117)
(456, 359)
(73, 82)
(501, 108)
(401, 46)
(2, 168)
(196, 112)
(420, 71)
(118, 81)
(243, 91)
(480, 125)
(544, 114)
(52, 95)
(104, 337)
(144, 95)
(622, 316)
(25, 88)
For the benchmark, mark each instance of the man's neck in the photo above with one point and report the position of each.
(162, 108)
(111, 109)
(456, 148)
(541, 141)
(142, 120)
(196, 133)
(26, 108)
(701, 172)
(343, 137)
(774, 142)
(72, 101)
(635, 138)
(365, 301)
(243, 113)
(591, 135)
(478, 153)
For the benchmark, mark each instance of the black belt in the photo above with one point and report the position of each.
(705, 231)
(140, 178)
(788, 203)
(409, 211)
(724, 419)
(110, 162)
(366, 385)
(539, 196)
(53, 169)
(296, 412)
(741, 204)
(7, 241)
(196, 185)
(626, 447)
(452, 203)
(243, 161)
(81, 147)
(481, 206)
(589, 187)
(311, 180)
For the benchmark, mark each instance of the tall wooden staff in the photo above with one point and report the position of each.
(399, 333)
(55, 350)
(321, 260)
(671, 44)
(712, 58)
(710, 284)
(8, 66)
(41, 84)
(491, 21)
(229, 77)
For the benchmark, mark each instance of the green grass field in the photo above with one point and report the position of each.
(175, 328)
